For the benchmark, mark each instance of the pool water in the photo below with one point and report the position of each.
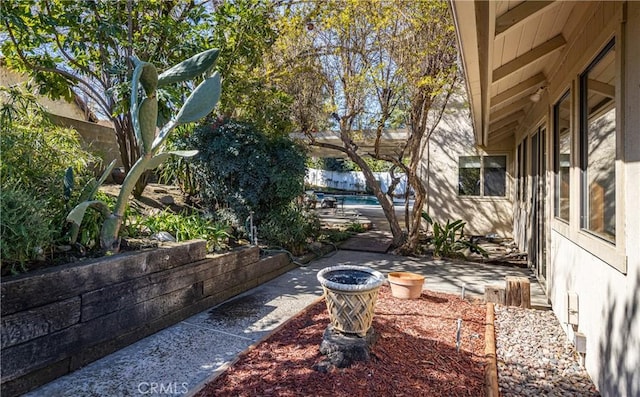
(356, 200)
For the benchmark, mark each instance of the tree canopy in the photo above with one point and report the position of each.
(358, 67)
(85, 48)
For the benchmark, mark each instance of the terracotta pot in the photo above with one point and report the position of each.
(406, 285)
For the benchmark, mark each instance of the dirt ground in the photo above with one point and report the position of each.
(155, 197)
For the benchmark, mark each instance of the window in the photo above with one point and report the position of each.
(495, 172)
(469, 176)
(521, 169)
(562, 155)
(482, 176)
(598, 145)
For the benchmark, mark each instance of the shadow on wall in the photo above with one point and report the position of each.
(619, 375)
(453, 138)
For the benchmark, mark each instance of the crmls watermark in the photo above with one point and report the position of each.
(163, 388)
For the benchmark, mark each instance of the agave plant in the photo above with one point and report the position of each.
(144, 115)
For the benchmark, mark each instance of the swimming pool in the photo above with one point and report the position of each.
(356, 200)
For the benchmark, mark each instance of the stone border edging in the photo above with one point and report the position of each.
(200, 386)
(491, 367)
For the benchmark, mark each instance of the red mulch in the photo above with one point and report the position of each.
(414, 356)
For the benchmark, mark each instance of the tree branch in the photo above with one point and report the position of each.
(89, 90)
(68, 57)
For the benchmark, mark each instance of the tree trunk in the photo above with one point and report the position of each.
(385, 202)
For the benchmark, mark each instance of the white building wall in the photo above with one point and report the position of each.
(453, 138)
(606, 279)
(608, 313)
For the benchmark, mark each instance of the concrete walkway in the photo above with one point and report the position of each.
(180, 359)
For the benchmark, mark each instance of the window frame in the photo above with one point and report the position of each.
(614, 255)
(481, 194)
(583, 145)
(556, 155)
(523, 171)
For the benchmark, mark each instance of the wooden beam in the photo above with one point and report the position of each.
(510, 108)
(523, 88)
(525, 59)
(519, 14)
(517, 116)
(485, 26)
(504, 131)
(491, 388)
(601, 88)
(495, 140)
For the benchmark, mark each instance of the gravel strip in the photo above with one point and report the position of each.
(535, 357)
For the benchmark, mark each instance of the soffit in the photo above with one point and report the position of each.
(509, 49)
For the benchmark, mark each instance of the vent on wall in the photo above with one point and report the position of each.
(572, 308)
(580, 342)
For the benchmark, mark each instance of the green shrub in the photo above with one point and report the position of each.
(177, 170)
(355, 227)
(35, 157)
(240, 168)
(334, 235)
(26, 232)
(290, 228)
(448, 239)
(35, 152)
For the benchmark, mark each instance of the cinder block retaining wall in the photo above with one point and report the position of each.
(57, 320)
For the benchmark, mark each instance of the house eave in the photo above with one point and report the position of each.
(468, 50)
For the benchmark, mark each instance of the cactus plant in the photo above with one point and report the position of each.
(144, 115)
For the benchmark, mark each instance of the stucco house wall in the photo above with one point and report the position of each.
(452, 138)
(604, 276)
(59, 107)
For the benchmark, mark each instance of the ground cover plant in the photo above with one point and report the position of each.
(415, 355)
(187, 225)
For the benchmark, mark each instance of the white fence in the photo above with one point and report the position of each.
(353, 181)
